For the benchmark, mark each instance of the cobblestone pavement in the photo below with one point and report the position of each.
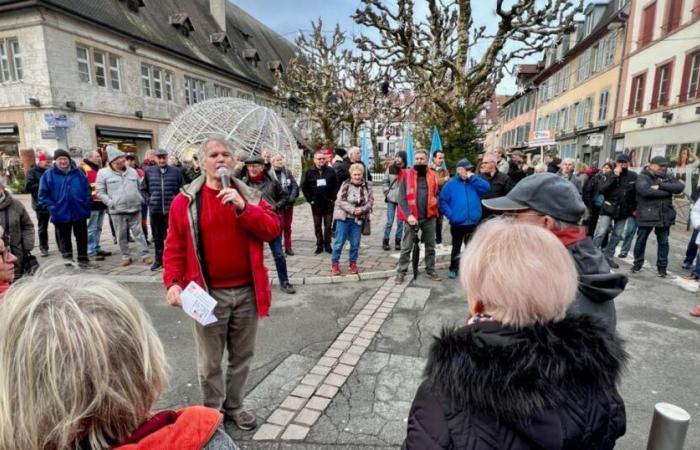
(303, 268)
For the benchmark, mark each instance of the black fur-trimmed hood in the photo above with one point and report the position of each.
(512, 374)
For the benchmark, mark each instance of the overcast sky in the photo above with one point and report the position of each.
(288, 17)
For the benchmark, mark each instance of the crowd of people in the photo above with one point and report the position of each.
(563, 358)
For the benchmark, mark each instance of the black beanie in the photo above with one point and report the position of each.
(402, 154)
(341, 152)
(60, 152)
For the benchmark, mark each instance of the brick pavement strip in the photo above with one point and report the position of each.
(295, 433)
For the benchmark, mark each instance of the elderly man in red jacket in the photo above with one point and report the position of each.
(215, 238)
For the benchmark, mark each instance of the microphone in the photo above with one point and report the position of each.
(223, 174)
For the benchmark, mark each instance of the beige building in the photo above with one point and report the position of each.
(83, 74)
(578, 86)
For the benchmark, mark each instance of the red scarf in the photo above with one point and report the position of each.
(258, 178)
(569, 235)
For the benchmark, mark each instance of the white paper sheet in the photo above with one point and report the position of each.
(198, 304)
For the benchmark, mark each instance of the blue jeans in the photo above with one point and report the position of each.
(280, 261)
(392, 209)
(347, 230)
(621, 231)
(692, 251)
(641, 245)
(95, 231)
(630, 230)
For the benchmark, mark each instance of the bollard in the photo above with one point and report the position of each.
(668, 427)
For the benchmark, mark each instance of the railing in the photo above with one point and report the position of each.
(377, 177)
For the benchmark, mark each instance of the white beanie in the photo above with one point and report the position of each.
(113, 153)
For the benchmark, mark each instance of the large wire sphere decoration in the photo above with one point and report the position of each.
(248, 126)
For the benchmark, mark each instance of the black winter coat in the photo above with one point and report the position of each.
(500, 184)
(655, 206)
(161, 188)
(320, 186)
(290, 188)
(515, 172)
(544, 387)
(271, 190)
(620, 195)
(342, 170)
(32, 186)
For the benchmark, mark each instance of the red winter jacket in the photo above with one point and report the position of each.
(181, 262)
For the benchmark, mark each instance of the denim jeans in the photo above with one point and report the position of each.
(95, 231)
(630, 231)
(692, 251)
(601, 229)
(641, 245)
(392, 209)
(347, 230)
(620, 232)
(280, 261)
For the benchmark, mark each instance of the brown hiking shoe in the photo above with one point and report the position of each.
(125, 262)
(147, 260)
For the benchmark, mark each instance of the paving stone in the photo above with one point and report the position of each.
(295, 433)
(333, 353)
(414, 298)
(327, 361)
(345, 337)
(267, 432)
(303, 391)
(335, 380)
(321, 370)
(352, 329)
(372, 327)
(349, 359)
(293, 403)
(367, 335)
(343, 369)
(281, 417)
(318, 280)
(385, 309)
(362, 342)
(355, 350)
(340, 345)
(307, 417)
(381, 315)
(326, 390)
(318, 403)
(312, 380)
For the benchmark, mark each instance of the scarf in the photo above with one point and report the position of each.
(569, 235)
(256, 179)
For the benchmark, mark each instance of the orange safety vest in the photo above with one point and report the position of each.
(411, 178)
(91, 175)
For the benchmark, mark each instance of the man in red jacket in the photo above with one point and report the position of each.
(215, 238)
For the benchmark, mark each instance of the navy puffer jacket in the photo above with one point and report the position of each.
(161, 187)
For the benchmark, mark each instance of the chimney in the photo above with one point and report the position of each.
(217, 8)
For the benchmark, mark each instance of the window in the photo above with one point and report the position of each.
(566, 74)
(584, 66)
(157, 83)
(114, 72)
(690, 84)
(10, 61)
(194, 90)
(244, 96)
(603, 105)
(100, 73)
(146, 80)
(662, 82)
(169, 86)
(83, 64)
(610, 49)
(588, 110)
(597, 56)
(557, 83)
(223, 91)
(580, 114)
(646, 33)
(637, 94)
(674, 10)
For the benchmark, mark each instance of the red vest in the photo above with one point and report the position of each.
(411, 179)
(91, 175)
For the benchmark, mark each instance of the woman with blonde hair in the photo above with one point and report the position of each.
(521, 374)
(352, 207)
(81, 367)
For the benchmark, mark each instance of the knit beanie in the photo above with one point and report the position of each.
(113, 153)
(59, 152)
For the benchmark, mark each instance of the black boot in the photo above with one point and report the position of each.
(397, 244)
(385, 244)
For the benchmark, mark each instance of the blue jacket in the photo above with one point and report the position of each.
(161, 188)
(66, 195)
(460, 200)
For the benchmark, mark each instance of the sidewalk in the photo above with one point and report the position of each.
(303, 268)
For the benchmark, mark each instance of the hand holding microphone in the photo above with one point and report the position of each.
(228, 194)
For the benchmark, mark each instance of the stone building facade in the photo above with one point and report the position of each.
(83, 74)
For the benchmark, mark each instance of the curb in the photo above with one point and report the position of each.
(363, 276)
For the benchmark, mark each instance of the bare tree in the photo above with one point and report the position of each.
(435, 53)
(315, 79)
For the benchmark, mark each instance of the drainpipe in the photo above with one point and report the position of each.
(621, 19)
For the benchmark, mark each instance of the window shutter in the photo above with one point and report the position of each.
(686, 77)
(655, 91)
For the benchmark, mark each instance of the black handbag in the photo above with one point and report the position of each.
(29, 262)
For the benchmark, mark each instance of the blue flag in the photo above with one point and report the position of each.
(436, 144)
(410, 149)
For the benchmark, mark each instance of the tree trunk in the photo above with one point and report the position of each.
(329, 138)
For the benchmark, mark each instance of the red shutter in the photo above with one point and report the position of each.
(674, 10)
(643, 87)
(647, 29)
(630, 109)
(696, 8)
(655, 90)
(685, 80)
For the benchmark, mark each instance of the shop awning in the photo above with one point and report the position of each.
(127, 133)
(8, 128)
